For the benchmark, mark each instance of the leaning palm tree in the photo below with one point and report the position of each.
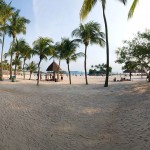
(89, 34)
(86, 8)
(6, 12)
(69, 52)
(42, 47)
(17, 26)
(32, 67)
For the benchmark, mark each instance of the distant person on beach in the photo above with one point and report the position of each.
(50, 76)
(40, 76)
(61, 77)
(114, 79)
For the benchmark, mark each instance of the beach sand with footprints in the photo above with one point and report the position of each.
(59, 116)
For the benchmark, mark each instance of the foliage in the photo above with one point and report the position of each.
(89, 33)
(133, 6)
(32, 67)
(99, 69)
(136, 52)
(5, 14)
(43, 48)
(85, 9)
(68, 48)
(17, 24)
(5, 65)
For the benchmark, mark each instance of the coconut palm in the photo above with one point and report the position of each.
(23, 49)
(69, 52)
(57, 53)
(42, 47)
(86, 8)
(6, 12)
(17, 26)
(89, 34)
(5, 66)
(58, 50)
(32, 67)
(19, 45)
(16, 62)
(2, 4)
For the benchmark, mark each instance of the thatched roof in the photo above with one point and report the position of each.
(53, 67)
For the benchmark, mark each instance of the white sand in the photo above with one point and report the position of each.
(59, 116)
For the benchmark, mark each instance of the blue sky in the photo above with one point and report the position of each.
(56, 19)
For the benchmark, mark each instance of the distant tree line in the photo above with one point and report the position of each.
(99, 69)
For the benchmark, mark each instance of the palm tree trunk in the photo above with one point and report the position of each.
(149, 77)
(59, 63)
(107, 47)
(11, 57)
(59, 69)
(15, 70)
(85, 66)
(130, 74)
(69, 73)
(1, 73)
(10, 65)
(23, 69)
(38, 79)
(30, 75)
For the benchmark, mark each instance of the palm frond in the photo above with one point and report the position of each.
(86, 8)
(132, 9)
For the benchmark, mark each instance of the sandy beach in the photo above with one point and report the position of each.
(59, 116)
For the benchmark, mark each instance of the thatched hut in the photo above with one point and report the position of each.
(54, 68)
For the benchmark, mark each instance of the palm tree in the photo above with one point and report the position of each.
(32, 67)
(42, 47)
(58, 50)
(6, 12)
(5, 66)
(17, 26)
(16, 62)
(89, 34)
(24, 50)
(69, 52)
(86, 8)
(57, 53)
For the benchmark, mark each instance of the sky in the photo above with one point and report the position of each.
(57, 19)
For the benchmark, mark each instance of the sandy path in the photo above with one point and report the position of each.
(77, 117)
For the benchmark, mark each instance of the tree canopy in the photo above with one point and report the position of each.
(99, 69)
(136, 51)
